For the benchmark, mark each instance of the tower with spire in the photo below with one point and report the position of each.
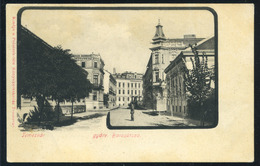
(159, 35)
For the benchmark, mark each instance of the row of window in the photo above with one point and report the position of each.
(179, 109)
(83, 64)
(128, 85)
(177, 86)
(128, 92)
(127, 98)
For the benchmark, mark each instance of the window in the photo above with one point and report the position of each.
(123, 99)
(95, 80)
(172, 80)
(118, 98)
(139, 92)
(95, 96)
(156, 58)
(123, 91)
(119, 84)
(128, 98)
(135, 92)
(163, 75)
(131, 92)
(175, 86)
(119, 91)
(128, 85)
(123, 84)
(157, 76)
(135, 84)
(139, 85)
(162, 59)
(83, 64)
(132, 85)
(95, 64)
(181, 87)
(180, 108)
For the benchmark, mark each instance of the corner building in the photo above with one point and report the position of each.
(94, 65)
(163, 52)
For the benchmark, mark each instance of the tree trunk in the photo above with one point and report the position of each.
(71, 111)
(40, 103)
(202, 117)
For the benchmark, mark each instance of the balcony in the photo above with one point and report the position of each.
(98, 87)
(112, 92)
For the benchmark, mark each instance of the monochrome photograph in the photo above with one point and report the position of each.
(77, 68)
(129, 83)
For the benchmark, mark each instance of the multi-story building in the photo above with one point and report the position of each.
(163, 52)
(129, 85)
(176, 94)
(109, 90)
(94, 65)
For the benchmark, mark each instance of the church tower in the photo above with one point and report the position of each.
(159, 35)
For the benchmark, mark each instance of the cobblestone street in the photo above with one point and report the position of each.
(122, 117)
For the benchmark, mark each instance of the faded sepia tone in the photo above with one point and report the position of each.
(222, 143)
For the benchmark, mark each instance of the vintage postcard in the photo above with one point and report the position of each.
(130, 83)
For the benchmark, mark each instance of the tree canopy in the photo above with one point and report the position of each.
(44, 71)
(197, 82)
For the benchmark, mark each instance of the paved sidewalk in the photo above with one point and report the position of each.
(83, 114)
(122, 117)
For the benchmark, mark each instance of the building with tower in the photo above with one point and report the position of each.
(163, 51)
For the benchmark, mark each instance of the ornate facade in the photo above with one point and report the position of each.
(94, 65)
(163, 52)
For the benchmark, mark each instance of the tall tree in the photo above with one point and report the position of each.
(71, 79)
(44, 72)
(35, 76)
(197, 83)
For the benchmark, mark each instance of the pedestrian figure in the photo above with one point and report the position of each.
(132, 111)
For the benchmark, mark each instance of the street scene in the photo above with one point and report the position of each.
(119, 70)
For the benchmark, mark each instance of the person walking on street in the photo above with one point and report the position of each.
(132, 111)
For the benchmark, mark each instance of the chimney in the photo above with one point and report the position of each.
(114, 70)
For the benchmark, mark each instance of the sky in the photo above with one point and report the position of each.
(121, 37)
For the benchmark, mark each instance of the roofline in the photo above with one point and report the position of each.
(185, 54)
(36, 37)
(201, 42)
(196, 38)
